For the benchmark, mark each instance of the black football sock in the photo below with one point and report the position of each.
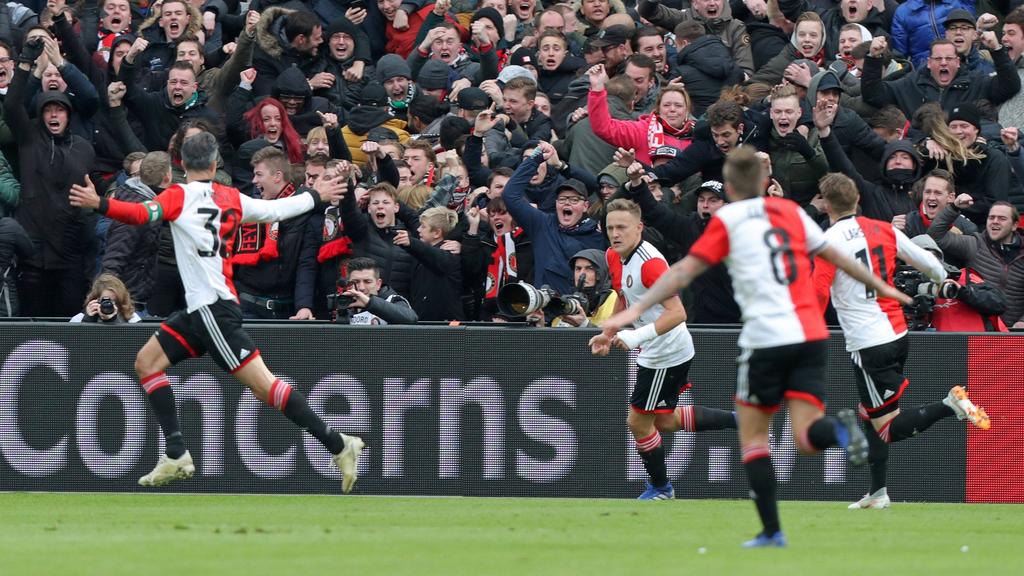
(878, 457)
(909, 423)
(699, 419)
(161, 399)
(652, 453)
(824, 433)
(757, 462)
(293, 404)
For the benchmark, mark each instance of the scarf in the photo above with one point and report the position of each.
(927, 221)
(334, 242)
(657, 128)
(503, 266)
(257, 242)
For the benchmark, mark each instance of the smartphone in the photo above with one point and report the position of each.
(357, 4)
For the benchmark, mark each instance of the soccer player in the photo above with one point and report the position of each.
(766, 244)
(666, 348)
(204, 218)
(876, 330)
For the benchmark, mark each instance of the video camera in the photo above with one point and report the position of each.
(522, 299)
(338, 303)
(915, 284)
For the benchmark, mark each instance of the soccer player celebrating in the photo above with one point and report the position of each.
(876, 330)
(766, 244)
(666, 348)
(204, 218)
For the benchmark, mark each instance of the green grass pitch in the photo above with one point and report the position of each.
(113, 534)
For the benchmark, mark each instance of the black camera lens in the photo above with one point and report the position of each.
(106, 306)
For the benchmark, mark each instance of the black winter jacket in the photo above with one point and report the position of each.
(49, 166)
(704, 157)
(878, 201)
(712, 291)
(276, 278)
(396, 264)
(436, 291)
(14, 244)
(555, 83)
(707, 66)
(131, 252)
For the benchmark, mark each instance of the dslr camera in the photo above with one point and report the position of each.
(338, 303)
(107, 306)
(523, 299)
(915, 284)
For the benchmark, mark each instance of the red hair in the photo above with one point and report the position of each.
(292, 143)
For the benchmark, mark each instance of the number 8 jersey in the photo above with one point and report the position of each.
(204, 217)
(766, 244)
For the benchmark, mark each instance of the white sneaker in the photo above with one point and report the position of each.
(965, 409)
(878, 500)
(348, 461)
(168, 470)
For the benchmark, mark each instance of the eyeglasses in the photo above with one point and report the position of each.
(963, 28)
(570, 200)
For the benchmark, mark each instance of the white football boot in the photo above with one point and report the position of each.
(348, 461)
(168, 470)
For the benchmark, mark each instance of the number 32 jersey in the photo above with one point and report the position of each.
(204, 217)
(766, 244)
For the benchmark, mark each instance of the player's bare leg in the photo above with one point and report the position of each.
(652, 453)
(265, 386)
(175, 463)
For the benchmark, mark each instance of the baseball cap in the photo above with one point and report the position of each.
(610, 36)
(574, 185)
(959, 15)
(473, 98)
(927, 242)
(512, 71)
(828, 82)
(713, 186)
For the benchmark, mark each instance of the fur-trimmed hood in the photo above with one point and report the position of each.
(617, 7)
(269, 30)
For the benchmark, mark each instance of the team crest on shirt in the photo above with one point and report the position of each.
(513, 263)
(490, 283)
(629, 281)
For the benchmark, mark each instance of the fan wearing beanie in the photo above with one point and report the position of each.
(372, 112)
(394, 74)
(476, 61)
(347, 70)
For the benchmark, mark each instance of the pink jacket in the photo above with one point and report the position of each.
(626, 133)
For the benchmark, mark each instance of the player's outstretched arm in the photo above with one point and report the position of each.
(166, 206)
(326, 190)
(861, 274)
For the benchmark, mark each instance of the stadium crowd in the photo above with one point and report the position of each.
(482, 141)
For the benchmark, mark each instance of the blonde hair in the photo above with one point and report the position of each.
(744, 172)
(624, 205)
(414, 197)
(383, 188)
(931, 119)
(440, 218)
(125, 306)
(677, 89)
(839, 190)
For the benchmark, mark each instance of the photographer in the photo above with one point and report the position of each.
(590, 270)
(995, 253)
(966, 304)
(108, 302)
(368, 301)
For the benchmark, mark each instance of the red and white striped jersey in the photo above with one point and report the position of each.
(204, 217)
(866, 319)
(766, 245)
(631, 279)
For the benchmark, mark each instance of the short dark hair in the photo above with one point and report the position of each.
(888, 118)
(1014, 213)
(643, 61)
(939, 42)
(499, 171)
(917, 192)
(363, 263)
(646, 31)
(184, 65)
(300, 23)
(689, 30)
(527, 85)
(452, 127)
(725, 112)
(1016, 16)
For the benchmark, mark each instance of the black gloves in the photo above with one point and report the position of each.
(797, 143)
(31, 50)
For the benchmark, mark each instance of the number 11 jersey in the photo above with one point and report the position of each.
(767, 245)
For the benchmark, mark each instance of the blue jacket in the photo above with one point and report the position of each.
(917, 22)
(553, 245)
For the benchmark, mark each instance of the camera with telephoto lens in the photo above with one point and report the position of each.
(915, 284)
(522, 299)
(107, 306)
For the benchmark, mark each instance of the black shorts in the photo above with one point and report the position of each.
(657, 390)
(880, 379)
(216, 329)
(767, 376)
